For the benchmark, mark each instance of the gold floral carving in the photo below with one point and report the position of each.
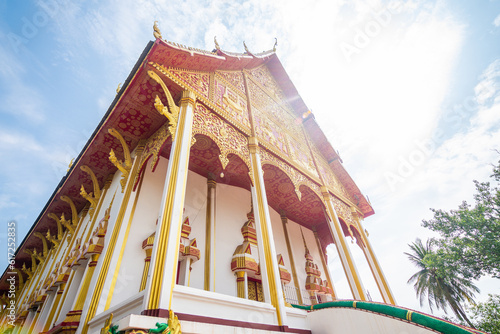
(172, 112)
(198, 81)
(242, 125)
(153, 147)
(278, 129)
(231, 101)
(329, 177)
(108, 323)
(235, 78)
(123, 166)
(227, 138)
(262, 75)
(344, 211)
(302, 156)
(261, 100)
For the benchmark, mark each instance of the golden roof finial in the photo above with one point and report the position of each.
(156, 31)
(246, 48)
(118, 88)
(217, 47)
(275, 44)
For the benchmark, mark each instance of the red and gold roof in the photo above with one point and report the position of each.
(233, 90)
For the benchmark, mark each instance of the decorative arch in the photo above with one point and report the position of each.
(226, 137)
(352, 231)
(283, 196)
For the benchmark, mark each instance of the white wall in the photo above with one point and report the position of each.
(143, 225)
(196, 208)
(280, 241)
(232, 206)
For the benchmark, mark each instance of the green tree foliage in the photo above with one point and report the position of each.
(485, 316)
(439, 283)
(470, 236)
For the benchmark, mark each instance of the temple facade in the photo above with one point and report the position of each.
(204, 201)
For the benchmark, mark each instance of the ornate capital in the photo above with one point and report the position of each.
(325, 192)
(253, 144)
(188, 96)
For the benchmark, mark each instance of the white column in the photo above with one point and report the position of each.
(375, 268)
(344, 252)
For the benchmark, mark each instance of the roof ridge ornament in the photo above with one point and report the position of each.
(275, 44)
(217, 47)
(246, 48)
(156, 31)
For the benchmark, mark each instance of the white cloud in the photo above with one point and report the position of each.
(18, 97)
(18, 142)
(496, 21)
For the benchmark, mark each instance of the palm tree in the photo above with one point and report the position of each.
(440, 284)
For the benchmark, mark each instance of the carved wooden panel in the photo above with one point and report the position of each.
(235, 105)
(329, 176)
(198, 81)
(227, 138)
(235, 78)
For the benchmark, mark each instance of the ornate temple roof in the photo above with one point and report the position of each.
(132, 113)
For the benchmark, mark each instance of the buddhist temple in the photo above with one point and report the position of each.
(203, 202)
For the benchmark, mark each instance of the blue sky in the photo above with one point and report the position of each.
(407, 92)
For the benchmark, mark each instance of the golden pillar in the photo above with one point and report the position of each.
(147, 245)
(240, 284)
(209, 283)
